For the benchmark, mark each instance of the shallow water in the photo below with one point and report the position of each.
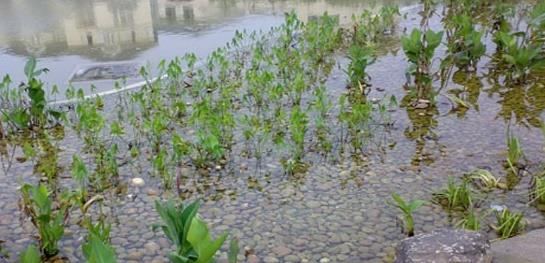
(68, 35)
(337, 210)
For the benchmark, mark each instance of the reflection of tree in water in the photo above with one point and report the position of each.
(469, 93)
(421, 130)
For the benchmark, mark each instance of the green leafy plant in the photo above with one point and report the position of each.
(188, 232)
(419, 47)
(95, 250)
(360, 58)
(49, 222)
(509, 224)
(408, 208)
(519, 56)
(465, 45)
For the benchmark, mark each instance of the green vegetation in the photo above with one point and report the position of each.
(30, 255)
(408, 208)
(48, 220)
(419, 47)
(188, 232)
(272, 101)
(509, 224)
(456, 196)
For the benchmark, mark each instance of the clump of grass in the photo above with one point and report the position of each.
(514, 153)
(455, 196)
(471, 221)
(484, 179)
(509, 224)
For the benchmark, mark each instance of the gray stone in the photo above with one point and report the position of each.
(527, 248)
(445, 246)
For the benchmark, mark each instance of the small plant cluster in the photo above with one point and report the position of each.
(461, 197)
(25, 107)
(190, 234)
(407, 208)
(181, 225)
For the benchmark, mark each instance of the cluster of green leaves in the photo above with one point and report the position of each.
(419, 47)
(96, 248)
(518, 55)
(360, 58)
(465, 44)
(189, 233)
(25, 107)
(48, 220)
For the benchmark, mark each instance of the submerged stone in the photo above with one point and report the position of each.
(445, 245)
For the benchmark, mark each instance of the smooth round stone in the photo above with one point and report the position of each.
(137, 182)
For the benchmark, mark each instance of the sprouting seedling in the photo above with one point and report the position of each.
(408, 208)
(514, 152)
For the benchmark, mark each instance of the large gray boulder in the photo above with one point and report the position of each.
(527, 248)
(445, 246)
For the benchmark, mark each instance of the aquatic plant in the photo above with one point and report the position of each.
(514, 152)
(26, 107)
(455, 196)
(298, 128)
(509, 224)
(408, 208)
(484, 179)
(419, 47)
(96, 251)
(322, 105)
(538, 192)
(48, 221)
(519, 56)
(234, 248)
(188, 232)
(465, 46)
(96, 248)
(471, 221)
(360, 58)
(30, 255)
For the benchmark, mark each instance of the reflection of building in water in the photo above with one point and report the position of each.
(101, 29)
(206, 12)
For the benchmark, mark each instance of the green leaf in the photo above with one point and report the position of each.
(233, 250)
(30, 66)
(200, 239)
(30, 255)
(95, 251)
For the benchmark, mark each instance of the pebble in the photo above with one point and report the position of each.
(137, 182)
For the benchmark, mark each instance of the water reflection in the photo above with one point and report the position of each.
(119, 29)
(102, 30)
